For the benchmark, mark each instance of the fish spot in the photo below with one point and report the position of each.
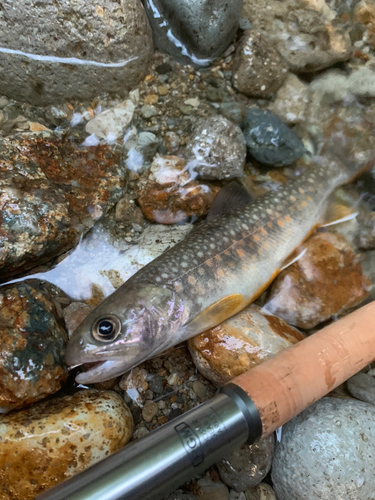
(240, 252)
(280, 223)
(309, 198)
(241, 242)
(269, 224)
(311, 189)
(225, 239)
(212, 245)
(311, 180)
(231, 264)
(175, 269)
(201, 271)
(255, 217)
(303, 204)
(177, 287)
(220, 272)
(227, 252)
(291, 209)
(269, 211)
(191, 280)
(256, 237)
(164, 275)
(209, 262)
(184, 264)
(217, 257)
(232, 233)
(158, 279)
(292, 198)
(263, 231)
(245, 226)
(287, 218)
(302, 191)
(265, 246)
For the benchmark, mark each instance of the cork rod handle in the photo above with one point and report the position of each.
(297, 377)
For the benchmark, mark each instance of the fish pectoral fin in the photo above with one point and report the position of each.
(230, 197)
(216, 313)
(291, 259)
(338, 212)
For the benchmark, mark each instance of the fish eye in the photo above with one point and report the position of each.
(107, 328)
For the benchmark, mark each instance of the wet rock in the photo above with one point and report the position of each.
(110, 125)
(303, 32)
(167, 194)
(248, 465)
(365, 14)
(156, 385)
(307, 463)
(261, 492)
(172, 142)
(240, 343)
(233, 111)
(128, 211)
(140, 149)
(33, 341)
(362, 386)
(366, 232)
(258, 69)
(217, 149)
(135, 384)
(149, 411)
(211, 490)
(52, 191)
(180, 495)
(75, 314)
(54, 439)
(193, 31)
(325, 281)
(147, 111)
(335, 86)
(73, 51)
(291, 101)
(269, 140)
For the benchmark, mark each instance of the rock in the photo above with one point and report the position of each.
(335, 86)
(269, 140)
(180, 495)
(167, 194)
(291, 101)
(325, 281)
(128, 211)
(149, 411)
(55, 439)
(75, 314)
(366, 233)
(234, 111)
(140, 149)
(148, 111)
(233, 495)
(172, 142)
(52, 191)
(240, 343)
(72, 50)
(217, 149)
(211, 490)
(110, 125)
(365, 14)
(199, 389)
(248, 465)
(258, 69)
(33, 341)
(134, 384)
(193, 31)
(362, 386)
(307, 464)
(261, 492)
(303, 32)
(156, 385)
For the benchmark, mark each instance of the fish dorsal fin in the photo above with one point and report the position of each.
(231, 196)
(216, 313)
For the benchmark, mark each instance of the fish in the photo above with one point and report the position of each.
(223, 265)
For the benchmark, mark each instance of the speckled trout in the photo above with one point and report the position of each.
(219, 268)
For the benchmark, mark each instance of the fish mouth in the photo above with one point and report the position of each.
(100, 371)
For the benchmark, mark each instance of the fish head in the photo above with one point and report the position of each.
(128, 327)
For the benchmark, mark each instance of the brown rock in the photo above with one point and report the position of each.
(365, 14)
(291, 101)
(240, 343)
(168, 196)
(33, 341)
(302, 32)
(51, 192)
(55, 439)
(128, 211)
(324, 282)
(149, 411)
(258, 69)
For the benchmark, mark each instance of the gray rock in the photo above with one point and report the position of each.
(193, 31)
(217, 149)
(111, 124)
(248, 465)
(180, 495)
(258, 69)
(156, 385)
(233, 111)
(326, 452)
(147, 144)
(269, 140)
(147, 111)
(291, 101)
(72, 50)
(362, 386)
(172, 142)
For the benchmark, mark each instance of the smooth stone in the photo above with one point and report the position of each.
(180, 495)
(113, 42)
(261, 492)
(291, 101)
(248, 465)
(258, 69)
(110, 125)
(33, 342)
(269, 140)
(193, 31)
(362, 386)
(327, 452)
(52, 192)
(240, 343)
(217, 149)
(233, 111)
(211, 490)
(302, 32)
(55, 439)
(325, 281)
(148, 111)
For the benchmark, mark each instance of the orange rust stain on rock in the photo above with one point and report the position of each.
(281, 327)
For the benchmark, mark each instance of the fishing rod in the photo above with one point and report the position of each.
(250, 407)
